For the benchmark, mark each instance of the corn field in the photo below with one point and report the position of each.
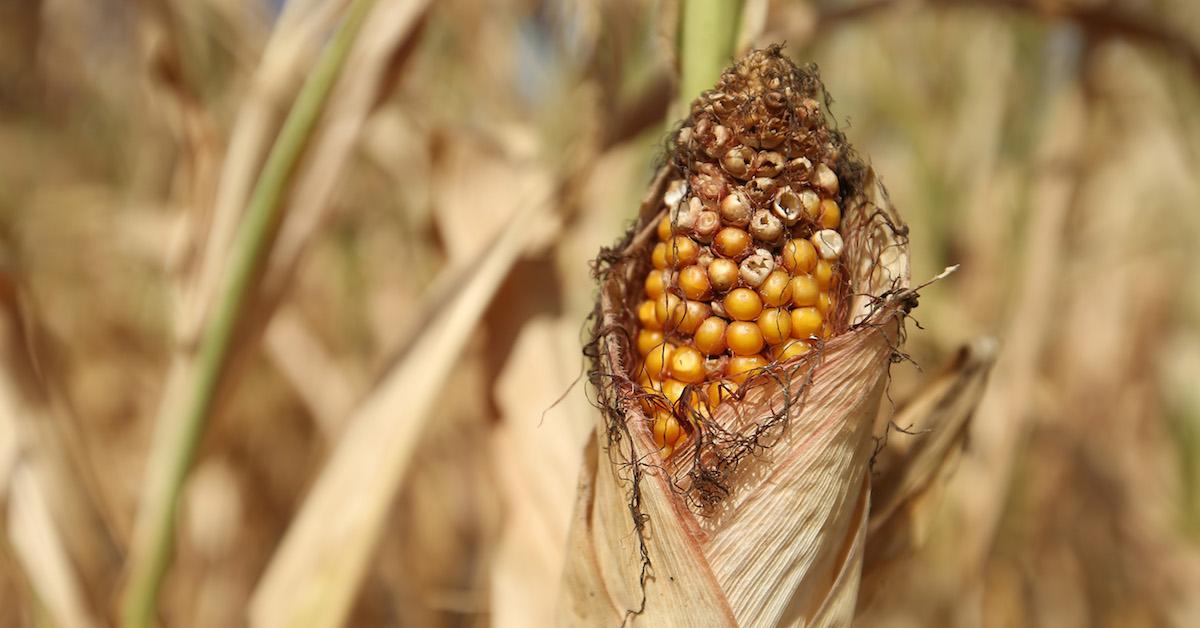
(601, 312)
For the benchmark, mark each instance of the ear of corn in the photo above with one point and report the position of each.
(794, 314)
(746, 270)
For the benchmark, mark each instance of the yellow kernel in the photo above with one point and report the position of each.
(732, 242)
(660, 427)
(824, 273)
(673, 389)
(687, 365)
(776, 289)
(657, 360)
(694, 313)
(742, 366)
(744, 338)
(806, 322)
(659, 256)
(655, 286)
(681, 251)
(804, 291)
(693, 281)
(743, 304)
(719, 391)
(824, 303)
(799, 256)
(722, 274)
(672, 432)
(789, 350)
(647, 316)
(775, 325)
(710, 335)
(647, 339)
(664, 228)
(831, 214)
(668, 312)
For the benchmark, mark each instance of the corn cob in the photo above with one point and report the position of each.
(746, 269)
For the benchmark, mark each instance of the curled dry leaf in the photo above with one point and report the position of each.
(919, 451)
(740, 496)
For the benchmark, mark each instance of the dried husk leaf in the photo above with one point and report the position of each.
(785, 546)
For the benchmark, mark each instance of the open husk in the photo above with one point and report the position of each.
(765, 525)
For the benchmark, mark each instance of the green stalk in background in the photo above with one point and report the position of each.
(152, 551)
(708, 32)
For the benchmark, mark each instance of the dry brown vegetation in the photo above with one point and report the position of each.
(400, 425)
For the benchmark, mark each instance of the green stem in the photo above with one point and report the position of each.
(249, 249)
(708, 32)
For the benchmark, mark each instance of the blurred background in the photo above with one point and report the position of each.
(401, 417)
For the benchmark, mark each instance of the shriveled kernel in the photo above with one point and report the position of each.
(707, 225)
(789, 350)
(676, 190)
(787, 206)
(806, 322)
(744, 338)
(805, 291)
(735, 211)
(775, 325)
(647, 316)
(828, 243)
(657, 360)
(681, 251)
(831, 214)
(694, 313)
(687, 365)
(761, 189)
(743, 366)
(647, 339)
(664, 228)
(776, 289)
(737, 161)
(732, 242)
(755, 269)
(722, 274)
(718, 308)
(658, 258)
(768, 164)
(693, 281)
(799, 256)
(765, 226)
(710, 335)
(743, 304)
(823, 273)
(655, 286)
(826, 179)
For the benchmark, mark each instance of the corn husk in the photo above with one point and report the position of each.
(784, 544)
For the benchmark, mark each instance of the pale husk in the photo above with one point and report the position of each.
(785, 546)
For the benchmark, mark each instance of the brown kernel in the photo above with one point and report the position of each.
(707, 225)
(737, 161)
(768, 164)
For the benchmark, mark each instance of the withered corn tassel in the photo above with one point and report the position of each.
(746, 268)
